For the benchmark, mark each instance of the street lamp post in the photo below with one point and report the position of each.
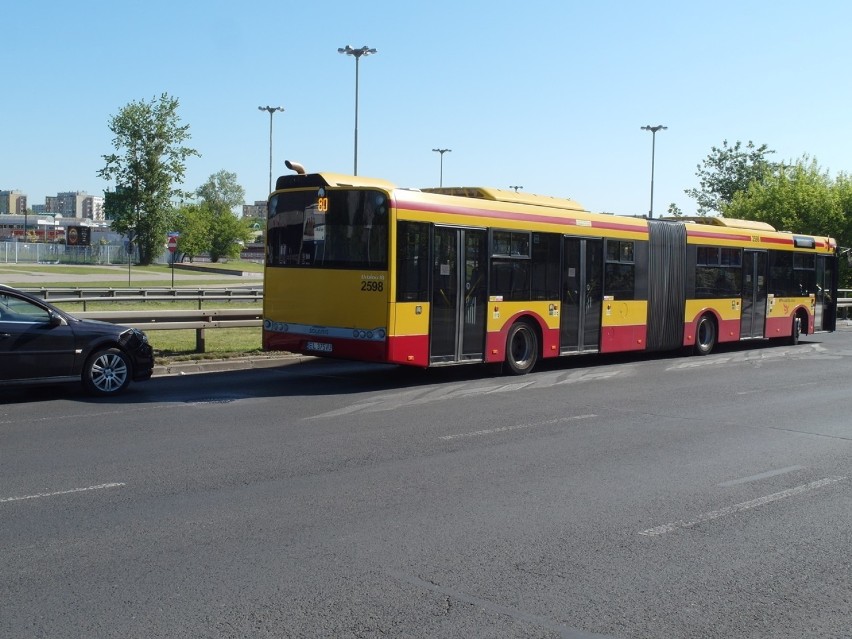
(442, 151)
(653, 130)
(516, 188)
(357, 53)
(270, 110)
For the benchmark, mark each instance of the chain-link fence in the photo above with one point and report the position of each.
(46, 253)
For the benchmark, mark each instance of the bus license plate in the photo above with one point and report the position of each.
(319, 346)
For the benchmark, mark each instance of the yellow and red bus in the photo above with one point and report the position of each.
(358, 268)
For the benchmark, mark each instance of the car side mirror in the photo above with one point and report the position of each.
(55, 320)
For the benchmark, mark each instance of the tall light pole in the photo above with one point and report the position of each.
(363, 51)
(653, 130)
(515, 187)
(442, 151)
(271, 110)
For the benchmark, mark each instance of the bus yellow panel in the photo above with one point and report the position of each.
(408, 342)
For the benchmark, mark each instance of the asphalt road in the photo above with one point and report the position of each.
(605, 497)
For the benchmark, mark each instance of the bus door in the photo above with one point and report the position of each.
(753, 317)
(457, 322)
(826, 304)
(582, 295)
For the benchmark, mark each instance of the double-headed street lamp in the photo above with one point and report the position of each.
(271, 110)
(442, 151)
(515, 187)
(653, 130)
(357, 53)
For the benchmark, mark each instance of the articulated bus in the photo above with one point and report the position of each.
(357, 268)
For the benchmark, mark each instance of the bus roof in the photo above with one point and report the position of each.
(727, 222)
(580, 216)
(501, 195)
(478, 192)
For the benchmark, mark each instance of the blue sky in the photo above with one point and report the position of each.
(549, 95)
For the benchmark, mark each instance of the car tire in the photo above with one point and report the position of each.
(107, 372)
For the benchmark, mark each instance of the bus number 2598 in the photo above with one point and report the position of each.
(372, 286)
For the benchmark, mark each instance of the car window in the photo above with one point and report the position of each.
(15, 309)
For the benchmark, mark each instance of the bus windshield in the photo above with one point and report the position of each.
(324, 228)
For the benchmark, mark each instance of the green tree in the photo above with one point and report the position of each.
(674, 210)
(228, 233)
(800, 198)
(843, 189)
(219, 196)
(192, 221)
(222, 192)
(728, 170)
(149, 162)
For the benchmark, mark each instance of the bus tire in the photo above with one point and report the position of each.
(521, 348)
(705, 335)
(797, 331)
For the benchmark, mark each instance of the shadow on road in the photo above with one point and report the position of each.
(327, 376)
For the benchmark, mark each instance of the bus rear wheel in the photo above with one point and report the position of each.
(521, 348)
(705, 335)
(797, 331)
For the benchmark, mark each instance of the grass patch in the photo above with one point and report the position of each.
(58, 269)
(220, 343)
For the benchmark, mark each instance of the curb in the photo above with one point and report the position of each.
(224, 365)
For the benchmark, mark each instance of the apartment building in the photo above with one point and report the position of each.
(12, 203)
(75, 204)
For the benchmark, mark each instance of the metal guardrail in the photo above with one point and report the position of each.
(844, 301)
(123, 293)
(198, 320)
(85, 295)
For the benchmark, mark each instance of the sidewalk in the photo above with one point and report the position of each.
(25, 276)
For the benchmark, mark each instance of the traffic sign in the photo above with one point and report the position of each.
(172, 244)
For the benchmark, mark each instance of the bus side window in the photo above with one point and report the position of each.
(412, 262)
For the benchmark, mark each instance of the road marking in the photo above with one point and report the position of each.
(759, 476)
(62, 492)
(491, 431)
(736, 508)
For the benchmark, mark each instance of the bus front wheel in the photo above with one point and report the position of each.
(521, 348)
(705, 335)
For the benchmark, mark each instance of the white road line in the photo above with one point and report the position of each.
(491, 431)
(746, 505)
(758, 477)
(62, 492)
